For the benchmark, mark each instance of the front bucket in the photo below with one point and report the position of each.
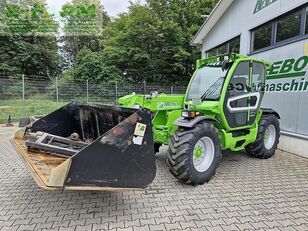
(90, 147)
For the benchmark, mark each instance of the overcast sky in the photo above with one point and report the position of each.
(113, 7)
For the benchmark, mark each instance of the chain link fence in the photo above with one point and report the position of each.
(35, 87)
(23, 95)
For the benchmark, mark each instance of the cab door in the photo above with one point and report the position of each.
(244, 94)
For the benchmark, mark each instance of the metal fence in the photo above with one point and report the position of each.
(36, 87)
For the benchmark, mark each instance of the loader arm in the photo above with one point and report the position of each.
(165, 108)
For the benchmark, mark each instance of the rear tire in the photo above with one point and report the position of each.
(267, 140)
(194, 154)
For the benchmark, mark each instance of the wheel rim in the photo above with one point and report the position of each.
(270, 137)
(203, 154)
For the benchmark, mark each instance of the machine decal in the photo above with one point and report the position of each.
(137, 140)
(166, 105)
(140, 129)
(139, 133)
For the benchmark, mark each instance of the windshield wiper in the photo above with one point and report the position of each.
(212, 88)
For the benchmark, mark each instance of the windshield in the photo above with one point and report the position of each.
(207, 83)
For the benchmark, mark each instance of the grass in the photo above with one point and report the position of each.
(18, 108)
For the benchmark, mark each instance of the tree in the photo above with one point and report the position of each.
(188, 16)
(28, 43)
(83, 22)
(91, 65)
(152, 42)
(142, 45)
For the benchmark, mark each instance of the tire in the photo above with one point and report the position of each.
(182, 160)
(263, 148)
(23, 122)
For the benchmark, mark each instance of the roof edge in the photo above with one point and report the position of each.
(213, 18)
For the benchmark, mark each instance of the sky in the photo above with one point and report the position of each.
(113, 7)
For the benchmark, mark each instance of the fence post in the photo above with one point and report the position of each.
(23, 87)
(144, 87)
(171, 90)
(57, 90)
(116, 92)
(87, 91)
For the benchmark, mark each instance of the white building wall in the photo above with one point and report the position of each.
(239, 19)
(291, 105)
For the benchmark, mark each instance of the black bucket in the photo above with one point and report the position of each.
(120, 150)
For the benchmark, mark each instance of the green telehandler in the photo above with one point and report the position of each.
(221, 110)
(97, 147)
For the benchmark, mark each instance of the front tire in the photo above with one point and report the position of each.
(267, 140)
(194, 153)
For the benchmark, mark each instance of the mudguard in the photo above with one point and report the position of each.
(182, 122)
(268, 111)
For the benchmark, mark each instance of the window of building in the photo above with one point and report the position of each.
(234, 45)
(306, 21)
(231, 46)
(262, 37)
(288, 27)
(223, 49)
(212, 52)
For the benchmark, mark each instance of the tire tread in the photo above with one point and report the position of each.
(257, 149)
(180, 146)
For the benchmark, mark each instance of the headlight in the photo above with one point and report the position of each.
(136, 106)
(189, 114)
(185, 114)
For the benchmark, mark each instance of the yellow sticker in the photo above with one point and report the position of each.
(140, 129)
(306, 49)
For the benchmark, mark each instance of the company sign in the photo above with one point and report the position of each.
(289, 68)
(261, 4)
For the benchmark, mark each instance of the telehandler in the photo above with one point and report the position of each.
(221, 110)
(95, 147)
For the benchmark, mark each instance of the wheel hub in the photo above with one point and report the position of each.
(269, 137)
(203, 154)
(198, 152)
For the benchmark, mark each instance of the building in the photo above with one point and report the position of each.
(277, 31)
